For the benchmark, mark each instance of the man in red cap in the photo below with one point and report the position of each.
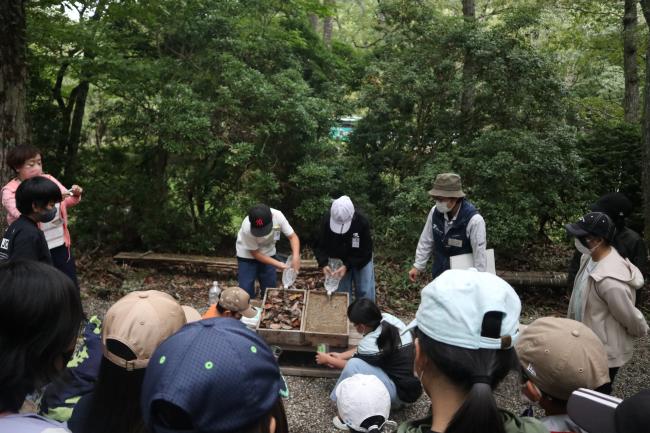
(256, 254)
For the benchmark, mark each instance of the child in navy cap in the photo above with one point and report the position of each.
(214, 375)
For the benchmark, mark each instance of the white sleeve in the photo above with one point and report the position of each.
(477, 237)
(425, 244)
(285, 227)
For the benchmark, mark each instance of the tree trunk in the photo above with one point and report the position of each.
(630, 67)
(76, 123)
(14, 127)
(328, 22)
(469, 76)
(313, 22)
(645, 124)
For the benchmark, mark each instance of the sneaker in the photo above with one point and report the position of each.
(339, 424)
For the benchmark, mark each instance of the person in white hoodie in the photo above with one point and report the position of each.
(604, 291)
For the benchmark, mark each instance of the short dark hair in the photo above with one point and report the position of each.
(40, 317)
(37, 190)
(17, 155)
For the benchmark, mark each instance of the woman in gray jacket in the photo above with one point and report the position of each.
(604, 291)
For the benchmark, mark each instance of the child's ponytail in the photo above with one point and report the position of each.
(389, 339)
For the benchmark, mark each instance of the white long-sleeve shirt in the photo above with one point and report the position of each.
(475, 232)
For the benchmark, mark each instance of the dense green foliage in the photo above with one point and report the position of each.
(197, 109)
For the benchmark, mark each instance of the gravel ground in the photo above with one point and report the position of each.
(308, 407)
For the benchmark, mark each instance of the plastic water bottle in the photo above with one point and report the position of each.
(332, 282)
(213, 293)
(289, 275)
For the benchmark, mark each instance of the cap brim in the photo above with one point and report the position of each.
(410, 327)
(576, 230)
(249, 313)
(339, 228)
(441, 193)
(593, 411)
(191, 315)
(262, 231)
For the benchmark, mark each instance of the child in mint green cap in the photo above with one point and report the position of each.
(465, 328)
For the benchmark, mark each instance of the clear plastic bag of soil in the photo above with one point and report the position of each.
(289, 275)
(332, 282)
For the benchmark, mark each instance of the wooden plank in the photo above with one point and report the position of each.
(329, 373)
(190, 258)
(534, 278)
(216, 264)
(229, 265)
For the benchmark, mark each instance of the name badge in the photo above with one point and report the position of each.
(355, 240)
(276, 234)
(5, 244)
(455, 243)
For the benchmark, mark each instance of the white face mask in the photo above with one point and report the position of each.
(442, 207)
(583, 249)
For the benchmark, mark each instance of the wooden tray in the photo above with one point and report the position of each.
(326, 321)
(283, 336)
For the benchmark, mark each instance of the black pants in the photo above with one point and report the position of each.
(63, 263)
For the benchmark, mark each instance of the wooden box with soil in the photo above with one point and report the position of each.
(282, 317)
(326, 320)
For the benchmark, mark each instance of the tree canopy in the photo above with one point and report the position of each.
(176, 116)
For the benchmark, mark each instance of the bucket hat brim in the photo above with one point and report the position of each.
(442, 193)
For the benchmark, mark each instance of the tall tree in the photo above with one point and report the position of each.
(328, 22)
(469, 72)
(645, 125)
(13, 76)
(630, 68)
(313, 22)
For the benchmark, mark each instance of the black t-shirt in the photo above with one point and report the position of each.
(24, 240)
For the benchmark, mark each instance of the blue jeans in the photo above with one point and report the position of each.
(364, 282)
(359, 366)
(249, 270)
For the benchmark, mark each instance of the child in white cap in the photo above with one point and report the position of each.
(363, 404)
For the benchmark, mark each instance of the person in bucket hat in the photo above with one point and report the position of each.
(453, 227)
(217, 376)
(256, 253)
(466, 326)
(604, 290)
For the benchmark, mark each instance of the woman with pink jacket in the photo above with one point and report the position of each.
(26, 161)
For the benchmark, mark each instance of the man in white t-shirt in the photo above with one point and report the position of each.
(256, 240)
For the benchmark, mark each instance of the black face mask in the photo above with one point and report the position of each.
(47, 215)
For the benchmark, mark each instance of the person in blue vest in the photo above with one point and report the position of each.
(453, 227)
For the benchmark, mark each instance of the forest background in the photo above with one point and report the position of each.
(177, 115)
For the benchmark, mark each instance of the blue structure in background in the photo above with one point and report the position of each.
(344, 127)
